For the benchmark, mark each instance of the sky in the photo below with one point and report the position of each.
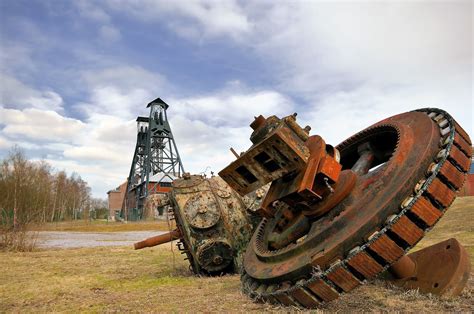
(74, 75)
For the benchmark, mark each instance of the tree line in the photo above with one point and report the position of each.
(34, 192)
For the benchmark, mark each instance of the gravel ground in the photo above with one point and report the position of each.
(66, 239)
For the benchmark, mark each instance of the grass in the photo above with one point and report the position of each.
(103, 226)
(118, 279)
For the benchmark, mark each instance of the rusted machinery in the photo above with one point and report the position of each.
(214, 224)
(335, 217)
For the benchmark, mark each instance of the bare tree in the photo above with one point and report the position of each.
(34, 192)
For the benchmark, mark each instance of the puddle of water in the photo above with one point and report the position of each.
(66, 239)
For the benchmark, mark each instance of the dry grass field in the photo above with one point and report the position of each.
(119, 279)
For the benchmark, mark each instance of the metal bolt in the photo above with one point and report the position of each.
(326, 181)
(217, 259)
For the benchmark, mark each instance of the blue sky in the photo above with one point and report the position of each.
(75, 74)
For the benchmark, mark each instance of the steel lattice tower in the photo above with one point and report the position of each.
(156, 162)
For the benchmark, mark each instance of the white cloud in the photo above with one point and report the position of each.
(37, 124)
(99, 149)
(342, 114)
(123, 77)
(89, 10)
(16, 94)
(193, 19)
(109, 33)
(321, 44)
(93, 11)
(231, 109)
(351, 64)
(5, 143)
(15, 55)
(358, 62)
(121, 91)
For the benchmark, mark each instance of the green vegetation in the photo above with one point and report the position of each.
(120, 279)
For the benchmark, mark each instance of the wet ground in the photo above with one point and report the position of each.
(67, 239)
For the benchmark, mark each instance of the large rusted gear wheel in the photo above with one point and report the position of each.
(419, 160)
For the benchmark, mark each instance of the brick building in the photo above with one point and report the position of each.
(158, 185)
(116, 199)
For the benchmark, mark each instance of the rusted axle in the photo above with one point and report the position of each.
(157, 240)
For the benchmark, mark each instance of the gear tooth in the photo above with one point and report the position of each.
(463, 133)
(365, 265)
(282, 295)
(463, 145)
(305, 297)
(426, 211)
(323, 290)
(342, 278)
(286, 300)
(440, 193)
(457, 157)
(407, 230)
(451, 175)
(387, 249)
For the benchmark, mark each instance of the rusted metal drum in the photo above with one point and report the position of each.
(215, 222)
(398, 177)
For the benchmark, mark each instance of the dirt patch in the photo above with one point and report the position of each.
(65, 239)
(105, 226)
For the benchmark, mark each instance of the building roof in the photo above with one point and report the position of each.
(143, 119)
(161, 177)
(118, 189)
(160, 102)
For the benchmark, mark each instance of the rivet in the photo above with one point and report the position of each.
(354, 250)
(444, 141)
(443, 123)
(373, 235)
(441, 154)
(407, 201)
(432, 168)
(337, 262)
(445, 131)
(438, 117)
(419, 185)
(391, 218)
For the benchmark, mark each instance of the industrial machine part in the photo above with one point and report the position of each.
(159, 239)
(442, 269)
(214, 224)
(335, 217)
